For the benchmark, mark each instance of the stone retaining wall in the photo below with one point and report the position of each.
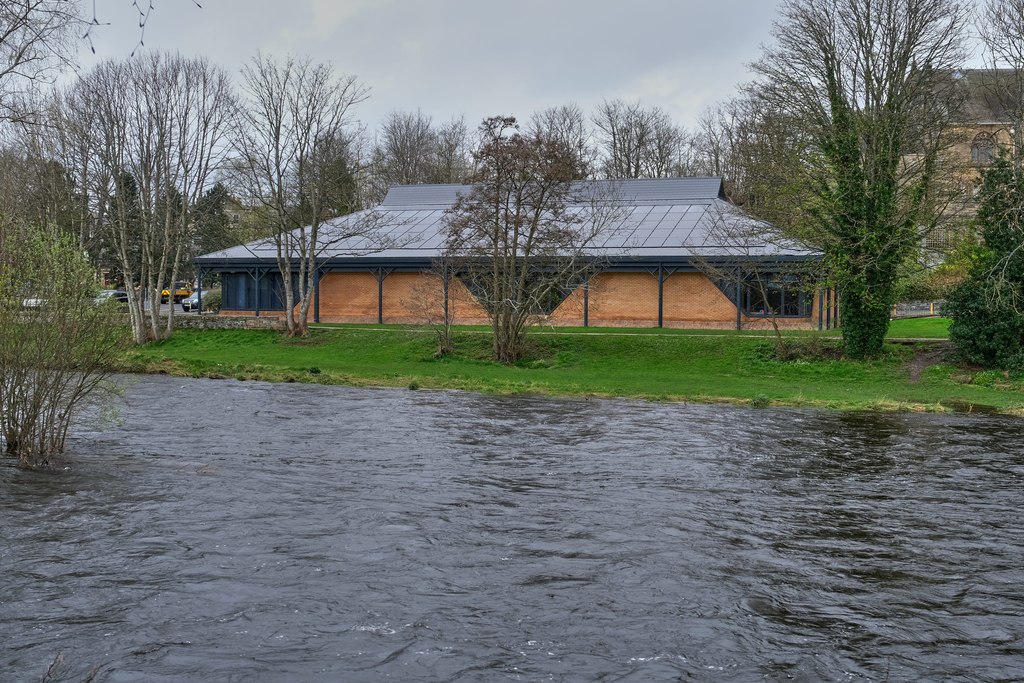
(212, 321)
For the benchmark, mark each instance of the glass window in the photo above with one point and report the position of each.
(776, 294)
(239, 292)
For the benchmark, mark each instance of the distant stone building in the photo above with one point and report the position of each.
(989, 109)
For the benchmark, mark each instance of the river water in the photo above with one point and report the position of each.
(240, 531)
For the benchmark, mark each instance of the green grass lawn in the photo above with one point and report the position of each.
(916, 328)
(673, 366)
(920, 328)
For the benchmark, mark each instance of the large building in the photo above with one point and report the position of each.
(677, 255)
(988, 113)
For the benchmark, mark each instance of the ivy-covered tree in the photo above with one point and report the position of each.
(870, 82)
(988, 308)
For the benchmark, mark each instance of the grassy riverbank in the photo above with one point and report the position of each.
(676, 366)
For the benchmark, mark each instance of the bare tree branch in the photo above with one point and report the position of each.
(520, 240)
(293, 158)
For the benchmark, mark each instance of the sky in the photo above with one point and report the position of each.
(474, 58)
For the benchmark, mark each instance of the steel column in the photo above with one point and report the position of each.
(199, 290)
(316, 295)
(586, 302)
(828, 308)
(821, 306)
(739, 305)
(258, 277)
(661, 295)
(381, 274)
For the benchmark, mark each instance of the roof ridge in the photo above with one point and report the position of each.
(635, 190)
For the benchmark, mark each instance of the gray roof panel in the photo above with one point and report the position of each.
(670, 217)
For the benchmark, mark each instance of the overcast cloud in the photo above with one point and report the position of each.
(474, 57)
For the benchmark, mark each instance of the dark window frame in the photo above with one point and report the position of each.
(791, 302)
(983, 149)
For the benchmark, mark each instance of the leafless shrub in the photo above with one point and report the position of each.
(769, 276)
(522, 238)
(434, 304)
(57, 346)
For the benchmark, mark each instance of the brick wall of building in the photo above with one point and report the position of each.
(693, 298)
(417, 298)
(690, 300)
(348, 297)
(624, 300)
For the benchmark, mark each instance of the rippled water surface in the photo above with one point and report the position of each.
(233, 531)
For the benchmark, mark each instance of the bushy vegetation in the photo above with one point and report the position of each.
(988, 308)
(918, 283)
(57, 345)
(212, 301)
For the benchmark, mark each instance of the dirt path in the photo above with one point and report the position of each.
(926, 356)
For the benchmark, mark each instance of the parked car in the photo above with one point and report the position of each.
(117, 295)
(191, 302)
(181, 291)
(33, 302)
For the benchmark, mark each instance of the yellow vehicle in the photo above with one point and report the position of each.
(181, 291)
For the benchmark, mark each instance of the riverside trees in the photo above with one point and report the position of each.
(988, 307)
(143, 137)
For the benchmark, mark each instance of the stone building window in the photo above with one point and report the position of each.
(983, 149)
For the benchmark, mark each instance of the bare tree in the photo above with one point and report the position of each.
(761, 152)
(639, 142)
(567, 125)
(452, 162)
(869, 80)
(769, 276)
(55, 358)
(58, 141)
(293, 158)
(514, 239)
(1001, 26)
(434, 302)
(406, 148)
(155, 127)
(34, 188)
(715, 140)
(37, 40)
(410, 150)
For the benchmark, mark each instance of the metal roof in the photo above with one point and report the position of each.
(676, 218)
(986, 96)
